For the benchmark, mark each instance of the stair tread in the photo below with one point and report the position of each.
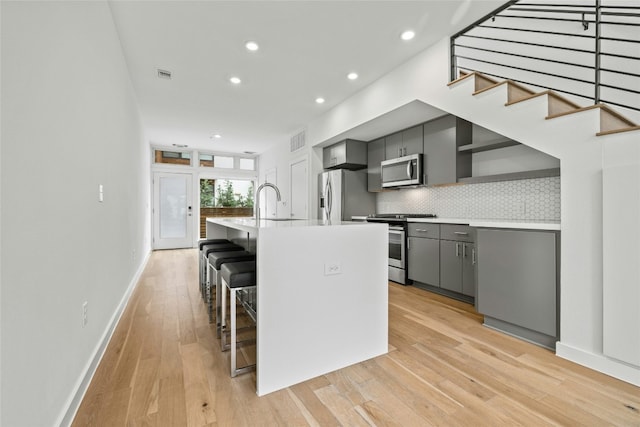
(550, 93)
(621, 130)
(468, 75)
(601, 107)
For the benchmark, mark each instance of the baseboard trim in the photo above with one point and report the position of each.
(73, 403)
(600, 363)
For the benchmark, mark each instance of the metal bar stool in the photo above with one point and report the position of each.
(215, 262)
(240, 279)
(206, 250)
(202, 265)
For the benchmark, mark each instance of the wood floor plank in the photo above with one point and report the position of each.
(164, 363)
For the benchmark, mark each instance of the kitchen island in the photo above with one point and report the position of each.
(322, 294)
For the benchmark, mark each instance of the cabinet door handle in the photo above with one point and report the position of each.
(464, 251)
(399, 152)
(422, 229)
(473, 256)
(457, 249)
(461, 233)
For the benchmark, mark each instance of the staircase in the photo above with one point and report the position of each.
(599, 152)
(610, 121)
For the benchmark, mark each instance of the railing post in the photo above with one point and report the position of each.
(452, 53)
(596, 98)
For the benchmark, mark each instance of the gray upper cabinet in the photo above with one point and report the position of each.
(442, 137)
(404, 143)
(375, 155)
(347, 154)
(393, 146)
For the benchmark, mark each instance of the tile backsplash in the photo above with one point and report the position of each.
(528, 199)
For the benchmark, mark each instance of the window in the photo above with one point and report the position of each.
(172, 157)
(223, 162)
(214, 161)
(224, 198)
(247, 164)
(206, 160)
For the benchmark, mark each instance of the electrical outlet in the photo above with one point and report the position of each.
(331, 268)
(84, 313)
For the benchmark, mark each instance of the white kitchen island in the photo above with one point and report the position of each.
(322, 294)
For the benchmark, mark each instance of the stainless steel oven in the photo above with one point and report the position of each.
(397, 243)
(397, 254)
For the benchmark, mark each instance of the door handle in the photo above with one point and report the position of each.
(409, 170)
(461, 233)
(464, 251)
(457, 250)
(473, 256)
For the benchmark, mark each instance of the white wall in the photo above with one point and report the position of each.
(425, 78)
(280, 158)
(70, 123)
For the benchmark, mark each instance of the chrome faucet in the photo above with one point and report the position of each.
(257, 196)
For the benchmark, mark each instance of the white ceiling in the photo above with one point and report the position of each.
(306, 50)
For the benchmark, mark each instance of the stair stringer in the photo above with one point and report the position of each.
(573, 139)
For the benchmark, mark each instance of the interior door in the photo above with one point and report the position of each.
(172, 211)
(299, 189)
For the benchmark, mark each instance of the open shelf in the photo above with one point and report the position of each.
(488, 145)
(512, 176)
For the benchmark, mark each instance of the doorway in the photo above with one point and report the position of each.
(172, 210)
(299, 196)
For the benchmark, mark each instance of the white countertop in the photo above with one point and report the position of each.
(250, 224)
(496, 223)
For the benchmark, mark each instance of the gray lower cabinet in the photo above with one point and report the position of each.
(518, 282)
(424, 253)
(457, 259)
(424, 260)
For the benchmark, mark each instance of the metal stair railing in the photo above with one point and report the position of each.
(583, 48)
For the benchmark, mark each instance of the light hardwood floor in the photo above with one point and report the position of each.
(163, 367)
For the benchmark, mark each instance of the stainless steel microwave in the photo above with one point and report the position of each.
(407, 170)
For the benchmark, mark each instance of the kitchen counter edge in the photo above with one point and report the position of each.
(495, 223)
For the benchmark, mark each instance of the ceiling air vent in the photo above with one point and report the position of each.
(298, 141)
(164, 74)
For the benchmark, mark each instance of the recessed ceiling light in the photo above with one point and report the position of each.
(407, 35)
(319, 100)
(235, 80)
(352, 76)
(251, 46)
(216, 136)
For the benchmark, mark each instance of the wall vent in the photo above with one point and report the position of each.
(298, 141)
(164, 74)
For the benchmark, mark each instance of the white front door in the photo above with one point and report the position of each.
(299, 189)
(172, 211)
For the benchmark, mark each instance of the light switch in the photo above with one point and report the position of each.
(100, 193)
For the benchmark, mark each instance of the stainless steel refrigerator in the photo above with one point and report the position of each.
(343, 194)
